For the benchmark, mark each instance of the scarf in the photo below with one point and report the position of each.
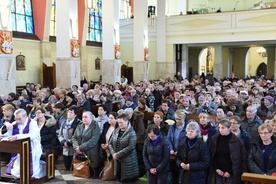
(205, 130)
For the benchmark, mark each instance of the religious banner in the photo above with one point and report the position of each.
(6, 46)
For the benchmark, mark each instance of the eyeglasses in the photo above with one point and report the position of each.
(178, 119)
(264, 133)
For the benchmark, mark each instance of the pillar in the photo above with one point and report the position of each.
(7, 74)
(67, 67)
(111, 42)
(184, 63)
(140, 41)
(218, 64)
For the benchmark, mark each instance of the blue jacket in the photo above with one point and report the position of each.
(170, 136)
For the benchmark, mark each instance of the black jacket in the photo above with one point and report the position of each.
(157, 156)
(199, 159)
(252, 127)
(255, 158)
(237, 155)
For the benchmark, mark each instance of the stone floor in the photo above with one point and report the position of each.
(63, 176)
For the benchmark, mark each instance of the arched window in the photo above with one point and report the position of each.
(53, 19)
(22, 16)
(95, 23)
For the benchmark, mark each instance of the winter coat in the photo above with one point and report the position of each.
(252, 127)
(170, 136)
(88, 142)
(138, 125)
(157, 156)
(255, 158)
(65, 135)
(126, 154)
(48, 133)
(199, 159)
(237, 155)
(246, 138)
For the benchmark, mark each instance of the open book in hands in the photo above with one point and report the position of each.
(4, 137)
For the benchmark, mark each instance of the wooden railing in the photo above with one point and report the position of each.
(258, 178)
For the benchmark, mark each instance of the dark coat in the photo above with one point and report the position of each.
(126, 154)
(48, 133)
(90, 145)
(252, 127)
(255, 158)
(199, 159)
(246, 138)
(237, 155)
(138, 125)
(170, 136)
(157, 156)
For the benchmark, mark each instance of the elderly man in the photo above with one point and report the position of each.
(251, 121)
(22, 128)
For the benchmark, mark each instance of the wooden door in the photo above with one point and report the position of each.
(49, 76)
(127, 72)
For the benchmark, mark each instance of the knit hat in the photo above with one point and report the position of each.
(244, 92)
(142, 101)
(129, 98)
(269, 98)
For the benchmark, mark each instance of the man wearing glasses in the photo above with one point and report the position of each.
(24, 127)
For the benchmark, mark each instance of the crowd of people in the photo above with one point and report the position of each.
(235, 131)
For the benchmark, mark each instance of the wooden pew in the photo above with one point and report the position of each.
(258, 178)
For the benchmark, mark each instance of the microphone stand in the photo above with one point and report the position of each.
(235, 5)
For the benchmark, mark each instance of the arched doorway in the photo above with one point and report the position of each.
(261, 70)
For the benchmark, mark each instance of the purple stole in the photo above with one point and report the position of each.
(15, 131)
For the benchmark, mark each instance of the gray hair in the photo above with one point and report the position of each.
(20, 111)
(129, 111)
(194, 126)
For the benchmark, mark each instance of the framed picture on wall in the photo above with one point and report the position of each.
(97, 63)
(20, 62)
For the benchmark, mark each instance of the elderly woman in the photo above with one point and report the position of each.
(158, 120)
(207, 130)
(261, 159)
(193, 157)
(220, 114)
(122, 148)
(86, 140)
(118, 98)
(239, 131)
(156, 155)
(82, 103)
(7, 117)
(268, 107)
(228, 156)
(66, 133)
(176, 133)
(47, 126)
(187, 106)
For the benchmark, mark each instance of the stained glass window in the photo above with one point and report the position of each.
(53, 19)
(95, 23)
(22, 16)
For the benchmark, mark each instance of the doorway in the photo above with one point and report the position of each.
(261, 70)
(49, 76)
(127, 72)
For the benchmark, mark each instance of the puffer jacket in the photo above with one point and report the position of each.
(48, 133)
(88, 142)
(255, 158)
(157, 156)
(126, 154)
(199, 159)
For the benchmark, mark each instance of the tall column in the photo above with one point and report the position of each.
(163, 68)
(111, 42)
(7, 74)
(141, 66)
(185, 64)
(271, 61)
(218, 64)
(67, 67)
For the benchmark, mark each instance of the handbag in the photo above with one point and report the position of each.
(108, 171)
(81, 168)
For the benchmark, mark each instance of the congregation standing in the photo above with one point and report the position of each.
(109, 121)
